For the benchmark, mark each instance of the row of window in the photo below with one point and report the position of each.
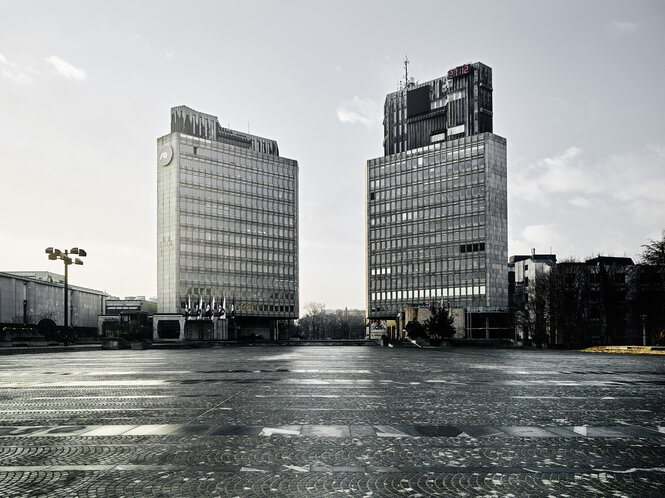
(237, 227)
(198, 240)
(193, 293)
(450, 292)
(431, 184)
(240, 253)
(497, 145)
(248, 162)
(412, 280)
(444, 222)
(196, 207)
(224, 188)
(466, 206)
(205, 263)
(434, 238)
(202, 267)
(475, 247)
(285, 206)
(453, 196)
(263, 308)
(397, 248)
(227, 172)
(454, 156)
(426, 267)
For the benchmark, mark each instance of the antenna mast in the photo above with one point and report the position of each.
(406, 70)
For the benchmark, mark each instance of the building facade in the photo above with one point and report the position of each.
(227, 226)
(453, 106)
(437, 202)
(525, 289)
(605, 300)
(28, 298)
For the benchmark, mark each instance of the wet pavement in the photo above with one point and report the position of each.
(324, 421)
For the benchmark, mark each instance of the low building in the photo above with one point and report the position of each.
(127, 314)
(29, 300)
(524, 294)
(604, 300)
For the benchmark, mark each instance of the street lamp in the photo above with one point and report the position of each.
(54, 254)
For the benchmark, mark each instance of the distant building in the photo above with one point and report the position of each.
(126, 315)
(527, 306)
(29, 298)
(605, 283)
(437, 204)
(601, 301)
(130, 303)
(227, 232)
(344, 312)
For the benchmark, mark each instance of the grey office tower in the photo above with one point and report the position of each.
(437, 200)
(227, 226)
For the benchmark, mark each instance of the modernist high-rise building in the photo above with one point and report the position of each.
(437, 202)
(227, 226)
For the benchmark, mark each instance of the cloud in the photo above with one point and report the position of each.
(558, 100)
(363, 111)
(66, 69)
(630, 182)
(543, 238)
(622, 27)
(18, 77)
(580, 202)
(12, 72)
(565, 173)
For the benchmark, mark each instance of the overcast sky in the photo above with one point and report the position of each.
(86, 88)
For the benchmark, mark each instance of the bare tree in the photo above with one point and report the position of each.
(313, 308)
(648, 305)
(317, 324)
(654, 252)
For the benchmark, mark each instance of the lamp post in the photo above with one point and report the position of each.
(54, 254)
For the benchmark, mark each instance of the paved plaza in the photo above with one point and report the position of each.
(332, 421)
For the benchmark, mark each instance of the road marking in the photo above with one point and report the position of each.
(580, 429)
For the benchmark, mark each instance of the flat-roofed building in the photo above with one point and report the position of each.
(437, 204)
(227, 228)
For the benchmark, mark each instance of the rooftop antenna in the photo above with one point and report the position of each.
(406, 70)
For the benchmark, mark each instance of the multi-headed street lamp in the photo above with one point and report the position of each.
(65, 257)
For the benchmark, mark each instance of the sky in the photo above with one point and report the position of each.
(86, 88)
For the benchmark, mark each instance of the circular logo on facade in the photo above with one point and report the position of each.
(165, 155)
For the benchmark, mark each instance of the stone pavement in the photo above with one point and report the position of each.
(332, 421)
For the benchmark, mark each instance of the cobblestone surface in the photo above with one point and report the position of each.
(318, 421)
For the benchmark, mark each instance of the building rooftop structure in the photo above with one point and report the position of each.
(48, 277)
(198, 124)
(453, 106)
